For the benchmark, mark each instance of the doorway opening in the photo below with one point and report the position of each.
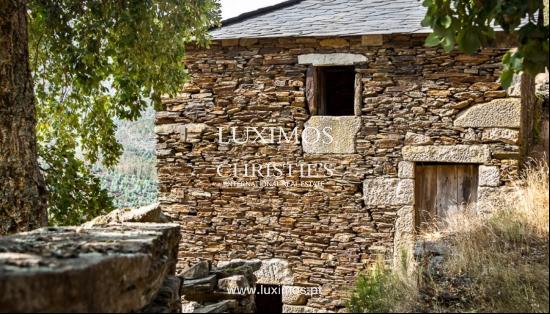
(269, 299)
(442, 189)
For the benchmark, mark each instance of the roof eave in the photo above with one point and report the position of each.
(258, 12)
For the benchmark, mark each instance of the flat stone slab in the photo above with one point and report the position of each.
(475, 154)
(118, 268)
(342, 130)
(388, 192)
(331, 59)
(267, 272)
(498, 113)
(150, 213)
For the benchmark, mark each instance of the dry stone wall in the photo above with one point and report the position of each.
(208, 289)
(417, 105)
(111, 269)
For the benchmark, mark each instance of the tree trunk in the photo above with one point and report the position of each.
(23, 198)
(528, 109)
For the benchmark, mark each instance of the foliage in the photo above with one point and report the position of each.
(382, 290)
(369, 295)
(470, 25)
(499, 260)
(133, 181)
(506, 252)
(129, 191)
(70, 182)
(96, 61)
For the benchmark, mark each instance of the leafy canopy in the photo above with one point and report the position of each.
(95, 61)
(471, 24)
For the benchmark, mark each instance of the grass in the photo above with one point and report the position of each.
(382, 290)
(497, 261)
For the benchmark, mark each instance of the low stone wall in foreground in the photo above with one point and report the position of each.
(117, 268)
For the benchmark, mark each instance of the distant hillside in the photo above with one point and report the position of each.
(133, 182)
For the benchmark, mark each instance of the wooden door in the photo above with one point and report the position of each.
(442, 189)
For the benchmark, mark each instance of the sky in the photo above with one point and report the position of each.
(232, 8)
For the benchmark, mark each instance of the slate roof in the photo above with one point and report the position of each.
(300, 18)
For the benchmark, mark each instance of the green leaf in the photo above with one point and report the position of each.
(506, 78)
(428, 3)
(469, 41)
(446, 21)
(96, 63)
(449, 43)
(427, 21)
(472, 24)
(432, 40)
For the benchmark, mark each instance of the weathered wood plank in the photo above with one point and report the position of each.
(426, 195)
(443, 189)
(358, 99)
(447, 187)
(311, 90)
(468, 182)
(419, 195)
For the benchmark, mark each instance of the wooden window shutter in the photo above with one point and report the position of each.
(311, 90)
(358, 103)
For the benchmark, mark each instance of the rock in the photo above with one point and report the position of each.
(507, 136)
(342, 129)
(331, 59)
(541, 85)
(244, 270)
(495, 94)
(194, 131)
(166, 117)
(247, 42)
(406, 170)
(230, 42)
(498, 113)
(404, 237)
(150, 213)
(334, 43)
(388, 191)
(439, 93)
(387, 141)
(167, 129)
(118, 268)
(234, 282)
(489, 176)
(274, 271)
(485, 86)
(196, 271)
(372, 40)
(478, 154)
(220, 307)
(343, 237)
(301, 309)
(189, 306)
(167, 299)
(417, 139)
(225, 266)
(193, 287)
(435, 265)
(291, 297)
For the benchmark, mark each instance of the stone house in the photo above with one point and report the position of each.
(416, 133)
